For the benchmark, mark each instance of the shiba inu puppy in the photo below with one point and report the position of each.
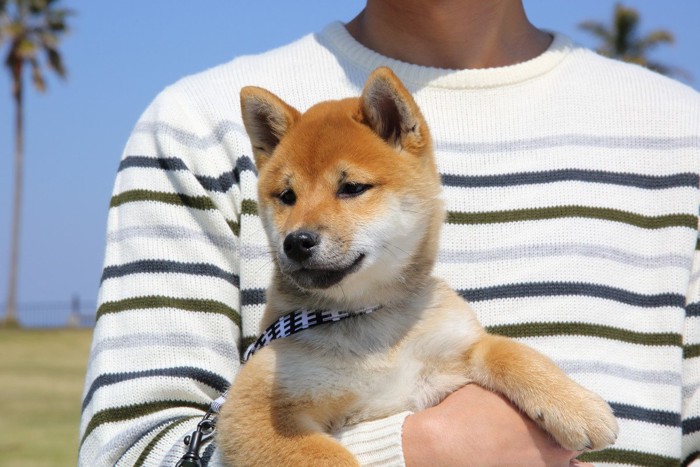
(349, 195)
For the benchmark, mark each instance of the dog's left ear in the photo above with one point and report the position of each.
(390, 111)
(266, 118)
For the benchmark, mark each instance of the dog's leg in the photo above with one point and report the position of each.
(578, 419)
(262, 427)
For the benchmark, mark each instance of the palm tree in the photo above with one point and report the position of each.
(30, 28)
(622, 40)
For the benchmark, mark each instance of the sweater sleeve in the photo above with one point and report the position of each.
(376, 443)
(691, 368)
(165, 340)
(170, 308)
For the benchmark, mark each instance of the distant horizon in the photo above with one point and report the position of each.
(121, 55)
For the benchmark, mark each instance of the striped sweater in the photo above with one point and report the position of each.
(571, 183)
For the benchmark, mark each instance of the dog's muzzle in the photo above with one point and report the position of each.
(302, 261)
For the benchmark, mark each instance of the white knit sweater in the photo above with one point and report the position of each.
(571, 183)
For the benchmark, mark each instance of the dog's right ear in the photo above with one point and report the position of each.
(267, 118)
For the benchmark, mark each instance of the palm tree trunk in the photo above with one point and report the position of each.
(11, 304)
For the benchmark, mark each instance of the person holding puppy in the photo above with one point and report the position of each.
(571, 184)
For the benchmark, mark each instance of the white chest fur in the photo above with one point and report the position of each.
(386, 362)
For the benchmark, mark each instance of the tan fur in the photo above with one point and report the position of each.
(502, 365)
(279, 431)
(375, 247)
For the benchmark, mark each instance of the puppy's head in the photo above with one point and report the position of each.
(348, 192)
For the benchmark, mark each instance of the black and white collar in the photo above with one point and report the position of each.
(297, 321)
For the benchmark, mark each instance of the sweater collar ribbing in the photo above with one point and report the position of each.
(337, 37)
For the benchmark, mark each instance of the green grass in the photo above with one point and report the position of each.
(41, 382)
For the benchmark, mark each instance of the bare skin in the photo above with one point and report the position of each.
(472, 426)
(475, 427)
(453, 34)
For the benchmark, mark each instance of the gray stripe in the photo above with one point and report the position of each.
(199, 375)
(695, 276)
(658, 417)
(690, 425)
(639, 143)
(209, 454)
(188, 341)
(648, 182)
(619, 371)
(553, 289)
(126, 440)
(690, 390)
(163, 163)
(221, 183)
(692, 310)
(174, 233)
(565, 249)
(614, 142)
(253, 252)
(156, 266)
(252, 297)
(225, 181)
(187, 138)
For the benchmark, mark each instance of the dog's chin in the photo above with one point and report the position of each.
(322, 278)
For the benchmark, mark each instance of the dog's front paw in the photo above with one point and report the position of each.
(581, 421)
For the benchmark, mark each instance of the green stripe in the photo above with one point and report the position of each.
(249, 206)
(178, 199)
(691, 351)
(556, 212)
(137, 303)
(235, 227)
(130, 412)
(622, 456)
(584, 329)
(145, 453)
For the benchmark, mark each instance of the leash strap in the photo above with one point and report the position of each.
(287, 325)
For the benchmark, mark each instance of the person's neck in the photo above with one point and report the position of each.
(451, 34)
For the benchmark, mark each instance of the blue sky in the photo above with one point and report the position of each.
(121, 54)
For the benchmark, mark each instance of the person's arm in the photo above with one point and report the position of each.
(164, 343)
(471, 427)
(691, 368)
(476, 427)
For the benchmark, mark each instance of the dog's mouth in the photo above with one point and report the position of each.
(322, 278)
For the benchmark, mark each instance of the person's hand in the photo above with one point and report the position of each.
(475, 427)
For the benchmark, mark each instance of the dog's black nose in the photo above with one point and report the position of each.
(299, 245)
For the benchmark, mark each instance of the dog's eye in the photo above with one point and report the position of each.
(348, 190)
(288, 197)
